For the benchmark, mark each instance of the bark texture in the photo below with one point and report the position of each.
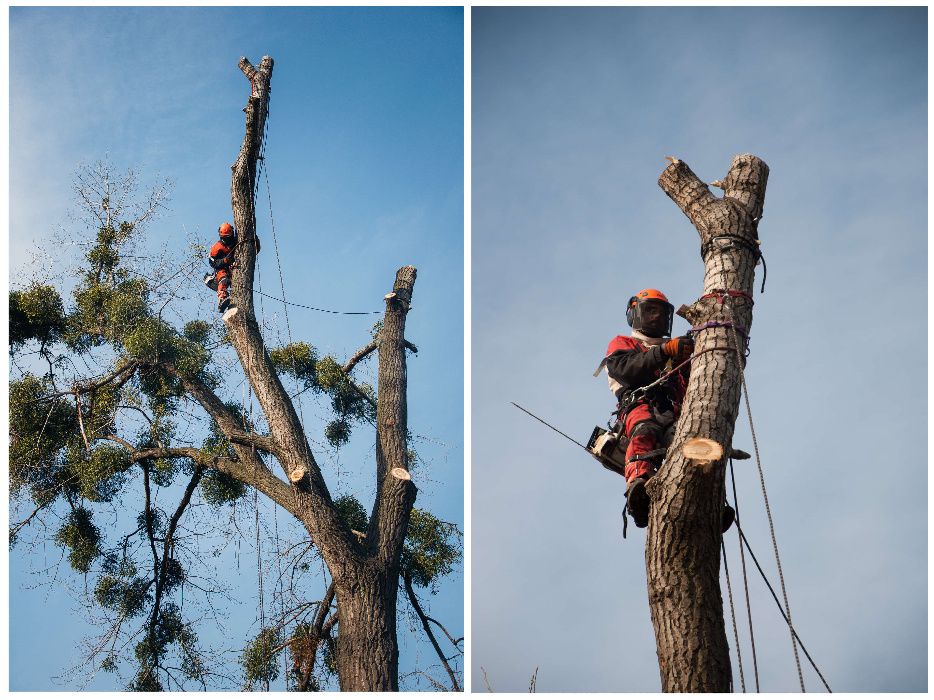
(682, 553)
(365, 572)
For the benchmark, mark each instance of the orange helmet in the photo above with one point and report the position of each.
(633, 308)
(225, 230)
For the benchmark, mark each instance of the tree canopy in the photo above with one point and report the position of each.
(130, 450)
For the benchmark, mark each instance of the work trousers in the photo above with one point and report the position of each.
(222, 277)
(645, 428)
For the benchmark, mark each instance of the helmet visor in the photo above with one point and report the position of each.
(653, 317)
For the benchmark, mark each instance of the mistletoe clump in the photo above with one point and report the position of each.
(259, 660)
(351, 513)
(80, 535)
(432, 548)
(36, 313)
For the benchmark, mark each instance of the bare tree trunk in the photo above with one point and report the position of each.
(682, 552)
(365, 574)
(367, 650)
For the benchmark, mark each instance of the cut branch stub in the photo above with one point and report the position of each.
(702, 452)
(401, 473)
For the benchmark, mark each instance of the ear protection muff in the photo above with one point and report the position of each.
(630, 307)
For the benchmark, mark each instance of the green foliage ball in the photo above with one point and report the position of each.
(80, 535)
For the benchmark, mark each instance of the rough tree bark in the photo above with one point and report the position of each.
(682, 552)
(365, 573)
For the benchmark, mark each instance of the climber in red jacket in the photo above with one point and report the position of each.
(633, 362)
(647, 418)
(221, 258)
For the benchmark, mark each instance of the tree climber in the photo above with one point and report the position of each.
(221, 259)
(635, 362)
(647, 418)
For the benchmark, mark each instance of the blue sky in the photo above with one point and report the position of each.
(573, 111)
(365, 164)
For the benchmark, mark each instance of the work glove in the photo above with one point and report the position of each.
(679, 349)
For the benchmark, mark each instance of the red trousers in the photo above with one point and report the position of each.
(223, 283)
(644, 429)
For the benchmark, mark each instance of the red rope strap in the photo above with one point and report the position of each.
(721, 294)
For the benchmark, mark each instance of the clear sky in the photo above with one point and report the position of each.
(573, 111)
(365, 164)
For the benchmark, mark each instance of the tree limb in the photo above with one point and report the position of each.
(81, 421)
(251, 473)
(407, 579)
(687, 190)
(395, 492)
(20, 525)
(318, 513)
(162, 570)
(358, 356)
(260, 442)
(455, 642)
(128, 368)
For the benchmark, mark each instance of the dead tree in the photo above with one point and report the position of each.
(365, 571)
(682, 551)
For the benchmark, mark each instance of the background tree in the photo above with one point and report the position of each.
(99, 440)
(682, 551)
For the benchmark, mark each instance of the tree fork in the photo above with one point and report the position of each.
(682, 552)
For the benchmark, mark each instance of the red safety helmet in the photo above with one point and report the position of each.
(634, 308)
(225, 230)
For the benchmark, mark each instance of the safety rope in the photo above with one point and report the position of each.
(721, 294)
(765, 495)
(643, 390)
(729, 590)
(742, 559)
(778, 604)
(259, 554)
(315, 308)
(285, 306)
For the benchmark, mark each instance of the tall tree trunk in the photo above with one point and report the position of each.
(365, 574)
(682, 552)
(367, 650)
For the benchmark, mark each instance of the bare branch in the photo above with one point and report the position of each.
(86, 388)
(486, 681)
(358, 356)
(260, 442)
(455, 642)
(81, 421)
(19, 526)
(407, 579)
